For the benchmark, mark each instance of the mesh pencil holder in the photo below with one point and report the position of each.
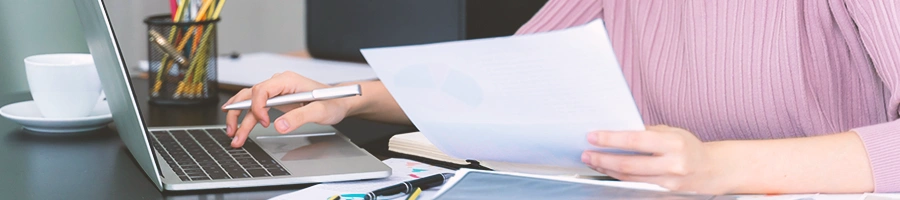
(182, 60)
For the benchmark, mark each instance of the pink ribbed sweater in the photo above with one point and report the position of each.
(758, 69)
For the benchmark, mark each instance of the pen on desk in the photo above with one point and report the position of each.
(314, 95)
(409, 186)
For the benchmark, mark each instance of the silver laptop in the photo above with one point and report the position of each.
(191, 158)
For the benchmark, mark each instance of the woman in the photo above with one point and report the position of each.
(765, 96)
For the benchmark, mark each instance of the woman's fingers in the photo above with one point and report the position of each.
(231, 120)
(634, 164)
(662, 181)
(243, 131)
(244, 94)
(321, 112)
(280, 83)
(277, 85)
(231, 116)
(288, 107)
(642, 141)
(260, 94)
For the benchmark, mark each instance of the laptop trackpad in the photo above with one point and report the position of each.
(308, 148)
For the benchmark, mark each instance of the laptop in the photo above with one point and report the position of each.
(194, 158)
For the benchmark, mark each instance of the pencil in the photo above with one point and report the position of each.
(173, 6)
(218, 9)
(201, 16)
(192, 84)
(164, 66)
(194, 73)
(197, 67)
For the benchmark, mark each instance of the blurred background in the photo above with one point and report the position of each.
(324, 29)
(247, 26)
(337, 28)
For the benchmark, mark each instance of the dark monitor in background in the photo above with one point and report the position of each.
(337, 29)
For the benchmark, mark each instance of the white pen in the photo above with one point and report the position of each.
(314, 95)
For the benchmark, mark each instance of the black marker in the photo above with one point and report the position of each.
(409, 186)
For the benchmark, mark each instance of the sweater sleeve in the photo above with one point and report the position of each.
(561, 14)
(878, 23)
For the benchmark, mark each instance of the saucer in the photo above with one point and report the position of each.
(27, 114)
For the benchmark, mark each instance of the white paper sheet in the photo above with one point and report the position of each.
(402, 170)
(525, 99)
(252, 68)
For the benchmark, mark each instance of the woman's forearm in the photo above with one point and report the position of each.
(376, 104)
(835, 163)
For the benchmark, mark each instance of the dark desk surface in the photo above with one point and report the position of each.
(97, 165)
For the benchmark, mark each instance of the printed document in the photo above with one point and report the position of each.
(524, 99)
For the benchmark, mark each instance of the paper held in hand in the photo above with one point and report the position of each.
(523, 99)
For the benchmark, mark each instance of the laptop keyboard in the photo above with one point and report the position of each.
(206, 154)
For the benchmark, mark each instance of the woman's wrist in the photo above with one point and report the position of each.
(727, 166)
(354, 105)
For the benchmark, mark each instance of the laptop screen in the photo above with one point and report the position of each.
(116, 83)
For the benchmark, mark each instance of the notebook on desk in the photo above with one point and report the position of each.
(417, 145)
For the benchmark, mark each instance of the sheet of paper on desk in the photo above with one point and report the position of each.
(402, 170)
(525, 99)
(252, 68)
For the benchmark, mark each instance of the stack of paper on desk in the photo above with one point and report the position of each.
(524, 99)
(250, 69)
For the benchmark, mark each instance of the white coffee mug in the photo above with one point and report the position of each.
(63, 85)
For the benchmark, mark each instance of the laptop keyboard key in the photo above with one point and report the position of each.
(198, 178)
(246, 161)
(219, 175)
(212, 169)
(193, 172)
(251, 166)
(234, 171)
(240, 175)
(279, 172)
(258, 172)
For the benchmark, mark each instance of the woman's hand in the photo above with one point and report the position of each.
(326, 112)
(678, 161)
